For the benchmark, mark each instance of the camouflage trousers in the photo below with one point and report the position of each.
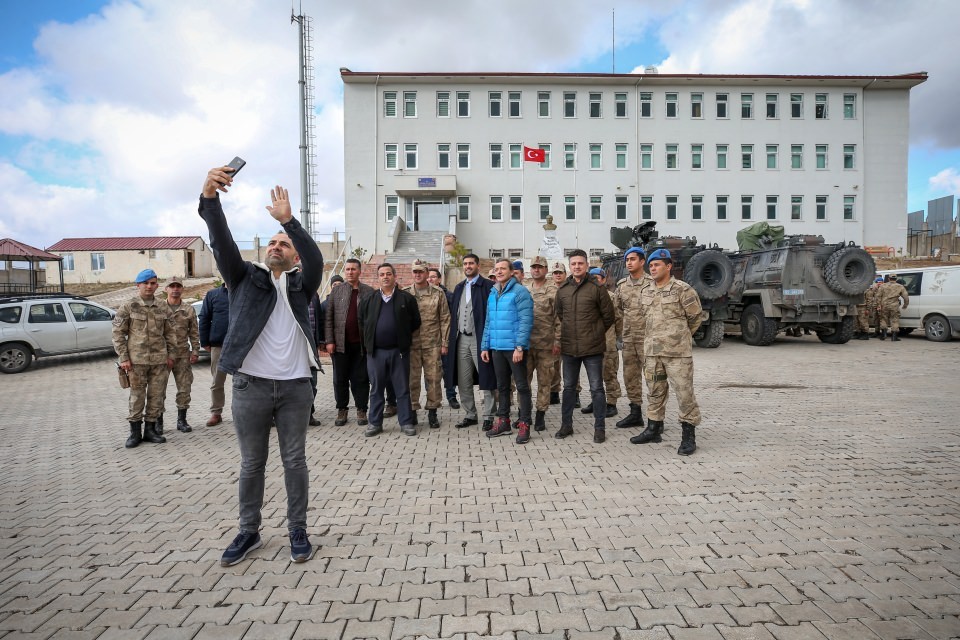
(148, 387)
(633, 371)
(427, 360)
(541, 360)
(890, 317)
(865, 318)
(183, 376)
(661, 374)
(611, 373)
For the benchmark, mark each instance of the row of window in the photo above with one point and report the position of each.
(97, 261)
(510, 104)
(510, 208)
(511, 155)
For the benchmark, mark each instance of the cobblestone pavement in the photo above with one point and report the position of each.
(822, 503)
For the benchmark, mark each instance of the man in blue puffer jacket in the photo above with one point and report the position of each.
(506, 338)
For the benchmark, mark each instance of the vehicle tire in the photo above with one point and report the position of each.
(15, 357)
(841, 334)
(709, 335)
(849, 271)
(757, 329)
(937, 328)
(710, 273)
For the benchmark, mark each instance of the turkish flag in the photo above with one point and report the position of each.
(534, 155)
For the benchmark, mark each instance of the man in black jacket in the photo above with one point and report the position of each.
(388, 318)
(214, 320)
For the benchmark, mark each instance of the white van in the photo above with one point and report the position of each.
(934, 300)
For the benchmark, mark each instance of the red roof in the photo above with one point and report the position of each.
(123, 244)
(10, 248)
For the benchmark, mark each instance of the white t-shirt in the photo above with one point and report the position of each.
(281, 351)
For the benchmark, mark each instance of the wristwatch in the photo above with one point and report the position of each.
(518, 348)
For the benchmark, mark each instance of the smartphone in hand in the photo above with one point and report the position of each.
(236, 164)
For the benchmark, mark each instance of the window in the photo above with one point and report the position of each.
(546, 156)
(696, 207)
(595, 105)
(646, 156)
(595, 202)
(513, 104)
(570, 155)
(516, 158)
(672, 105)
(746, 156)
(463, 156)
(515, 253)
(463, 208)
(621, 152)
(46, 313)
(696, 105)
(821, 207)
(569, 104)
(410, 156)
(389, 104)
(392, 207)
(721, 207)
(849, 156)
(463, 104)
(796, 105)
(620, 105)
(621, 208)
(796, 207)
(409, 104)
(771, 156)
(543, 104)
(746, 106)
(516, 208)
(390, 152)
(443, 155)
(722, 106)
(570, 207)
(596, 252)
(848, 207)
(696, 156)
(772, 207)
(671, 207)
(496, 254)
(646, 105)
(796, 156)
(544, 207)
(496, 155)
(495, 101)
(849, 106)
(746, 207)
(67, 262)
(97, 262)
(10, 315)
(443, 104)
(721, 156)
(496, 208)
(772, 105)
(672, 156)
(596, 156)
(820, 106)
(821, 156)
(646, 207)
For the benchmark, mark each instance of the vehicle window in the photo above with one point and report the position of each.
(88, 313)
(10, 315)
(911, 282)
(46, 313)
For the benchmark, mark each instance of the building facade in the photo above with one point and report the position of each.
(103, 260)
(702, 155)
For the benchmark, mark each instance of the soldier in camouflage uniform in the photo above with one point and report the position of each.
(611, 357)
(672, 312)
(544, 337)
(888, 298)
(185, 351)
(429, 342)
(866, 312)
(627, 303)
(144, 339)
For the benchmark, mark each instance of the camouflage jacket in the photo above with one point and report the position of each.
(186, 329)
(887, 295)
(143, 332)
(869, 299)
(617, 329)
(672, 314)
(627, 301)
(546, 327)
(434, 328)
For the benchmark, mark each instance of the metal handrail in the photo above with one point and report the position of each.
(338, 264)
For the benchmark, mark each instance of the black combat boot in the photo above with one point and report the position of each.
(538, 422)
(612, 410)
(135, 436)
(587, 409)
(432, 419)
(150, 433)
(415, 421)
(894, 335)
(883, 334)
(864, 336)
(554, 397)
(633, 419)
(688, 441)
(182, 421)
(159, 427)
(651, 434)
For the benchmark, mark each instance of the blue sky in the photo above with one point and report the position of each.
(112, 111)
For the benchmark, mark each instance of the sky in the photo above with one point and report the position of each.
(112, 111)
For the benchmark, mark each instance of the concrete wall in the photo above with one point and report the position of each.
(123, 266)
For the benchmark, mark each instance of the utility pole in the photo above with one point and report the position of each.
(308, 182)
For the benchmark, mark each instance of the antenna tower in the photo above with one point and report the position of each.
(308, 156)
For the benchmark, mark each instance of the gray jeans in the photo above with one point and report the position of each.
(466, 364)
(256, 403)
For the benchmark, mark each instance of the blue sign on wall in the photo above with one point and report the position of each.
(426, 182)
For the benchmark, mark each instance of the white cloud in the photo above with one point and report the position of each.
(946, 182)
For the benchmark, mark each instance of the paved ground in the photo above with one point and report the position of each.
(823, 503)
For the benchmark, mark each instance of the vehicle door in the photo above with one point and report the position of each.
(48, 325)
(94, 326)
(912, 281)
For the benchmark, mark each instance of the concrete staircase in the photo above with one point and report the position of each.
(417, 244)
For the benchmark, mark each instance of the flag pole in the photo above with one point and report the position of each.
(523, 196)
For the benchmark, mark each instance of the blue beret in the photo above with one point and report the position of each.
(637, 250)
(659, 254)
(518, 264)
(879, 279)
(597, 271)
(145, 275)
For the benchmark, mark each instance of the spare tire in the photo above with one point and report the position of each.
(710, 273)
(849, 271)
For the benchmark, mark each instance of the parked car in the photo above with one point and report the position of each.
(40, 325)
(934, 300)
(203, 353)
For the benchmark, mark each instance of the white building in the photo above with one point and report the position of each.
(703, 155)
(86, 260)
